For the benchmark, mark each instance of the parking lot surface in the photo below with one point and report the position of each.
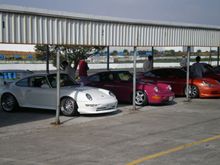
(177, 134)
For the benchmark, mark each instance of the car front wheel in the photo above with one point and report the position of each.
(140, 98)
(68, 107)
(8, 102)
(193, 91)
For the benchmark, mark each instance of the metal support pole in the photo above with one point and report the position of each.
(210, 56)
(218, 56)
(187, 73)
(57, 121)
(108, 55)
(152, 50)
(47, 59)
(134, 78)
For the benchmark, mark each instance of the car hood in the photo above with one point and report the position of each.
(95, 93)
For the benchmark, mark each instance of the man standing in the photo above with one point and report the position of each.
(197, 68)
(83, 68)
(183, 61)
(68, 69)
(148, 64)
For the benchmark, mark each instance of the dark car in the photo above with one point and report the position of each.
(121, 84)
(176, 77)
(217, 69)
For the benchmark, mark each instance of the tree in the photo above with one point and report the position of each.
(125, 52)
(199, 51)
(72, 54)
(114, 53)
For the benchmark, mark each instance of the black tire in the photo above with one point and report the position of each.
(193, 91)
(68, 107)
(140, 98)
(9, 103)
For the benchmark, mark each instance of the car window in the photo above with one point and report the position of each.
(106, 77)
(95, 78)
(178, 73)
(159, 73)
(150, 74)
(111, 77)
(37, 81)
(208, 69)
(65, 80)
(23, 83)
(124, 76)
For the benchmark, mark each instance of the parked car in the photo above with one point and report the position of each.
(121, 84)
(39, 91)
(176, 77)
(212, 72)
(217, 69)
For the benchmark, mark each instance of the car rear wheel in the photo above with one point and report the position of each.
(193, 91)
(68, 107)
(140, 98)
(8, 102)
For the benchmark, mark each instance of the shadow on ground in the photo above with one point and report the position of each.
(24, 115)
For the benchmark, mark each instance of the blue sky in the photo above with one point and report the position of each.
(205, 12)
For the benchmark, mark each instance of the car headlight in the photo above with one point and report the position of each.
(156, 89)
(89, 96)
(205, 83)
(111, 94)
(169, 87)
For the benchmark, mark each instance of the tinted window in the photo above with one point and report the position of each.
(208, 68)
(106, 77)
(160, 73)
(95, 78)
(150, 74)
(178, 73)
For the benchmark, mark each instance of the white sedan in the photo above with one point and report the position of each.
(39, 91)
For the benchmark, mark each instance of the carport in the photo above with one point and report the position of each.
(22, 25)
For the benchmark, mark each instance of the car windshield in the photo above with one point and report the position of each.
(65, 80)
(209, 69)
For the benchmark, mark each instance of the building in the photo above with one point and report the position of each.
(16, 55)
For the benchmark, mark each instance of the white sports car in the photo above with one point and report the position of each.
(39, 91)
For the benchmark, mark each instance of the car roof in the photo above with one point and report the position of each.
(113, 71)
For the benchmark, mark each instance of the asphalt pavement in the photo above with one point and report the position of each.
(176, 134)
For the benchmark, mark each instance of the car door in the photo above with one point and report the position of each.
(178, 81)
(123, 86)
(39, 96)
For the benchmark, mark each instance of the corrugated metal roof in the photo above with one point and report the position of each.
(39, 26)
(80, 16)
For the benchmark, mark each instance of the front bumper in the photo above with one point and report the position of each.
(97, 108)
(158, 98)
